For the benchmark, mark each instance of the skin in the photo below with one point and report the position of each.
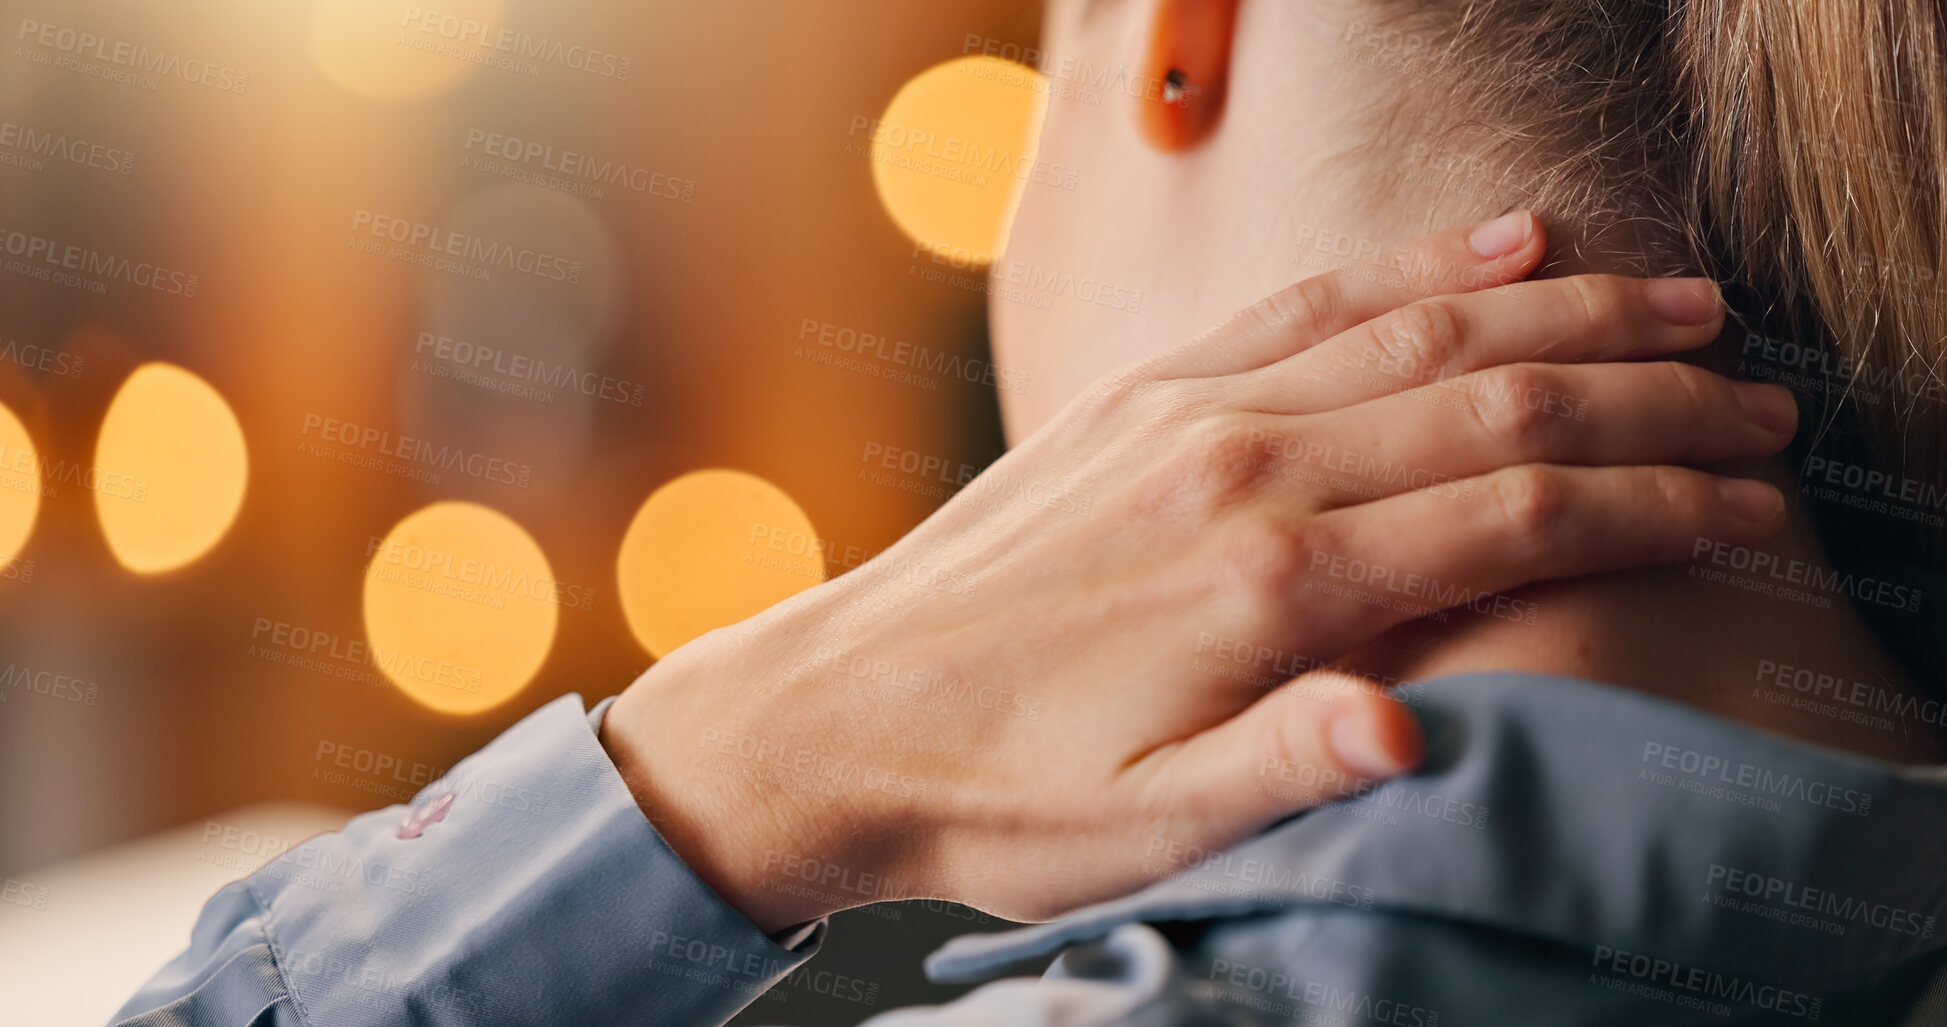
(1171, 513)
(1170, 502)
(1282, 181)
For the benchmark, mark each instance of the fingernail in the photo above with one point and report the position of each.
(1684, 301)
(1772, 407)
(1357, 743)
(1499, 237)
(1751, 501)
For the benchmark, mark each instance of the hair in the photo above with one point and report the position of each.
(1793, 150)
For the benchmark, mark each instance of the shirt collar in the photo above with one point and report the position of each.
(1594, 817)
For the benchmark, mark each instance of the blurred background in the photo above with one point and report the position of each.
(373, 373)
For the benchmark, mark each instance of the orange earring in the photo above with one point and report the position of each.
(1184, 72)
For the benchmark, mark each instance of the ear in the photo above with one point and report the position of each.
(1185, 67)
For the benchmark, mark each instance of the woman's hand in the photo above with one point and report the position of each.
(1074, 676)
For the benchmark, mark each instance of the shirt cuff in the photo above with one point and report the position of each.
(524, 886)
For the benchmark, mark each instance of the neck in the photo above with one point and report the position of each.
(1694, 635)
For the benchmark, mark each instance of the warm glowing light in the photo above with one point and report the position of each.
(461, 607)
(170, 469)
(709, 549)
(20, 486)
(953, 150)
(393, 51)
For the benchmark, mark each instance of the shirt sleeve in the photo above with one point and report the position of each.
(525, 886)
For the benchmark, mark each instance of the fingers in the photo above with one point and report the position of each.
(1579, 319)
(1397, 559)
(1317, 738)
(1604, 414)
(1324, 305)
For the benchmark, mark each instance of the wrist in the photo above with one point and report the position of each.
(740, 760)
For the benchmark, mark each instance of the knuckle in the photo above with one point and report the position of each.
(1265, 560)
(1289, 742)
(1688, 502)
(1223, 440)
(1425, 334)
(1532, 501)
(1120, 385)
(1108, 392)
(1690, 498)
(1135, 391)
(1219, 460)
(1597, 300)
(1699, 389)
(1306, 302)
(1504, 407)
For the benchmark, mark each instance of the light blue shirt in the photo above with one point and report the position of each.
(1570, 854)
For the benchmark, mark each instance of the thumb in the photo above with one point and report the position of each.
(1317, 738)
